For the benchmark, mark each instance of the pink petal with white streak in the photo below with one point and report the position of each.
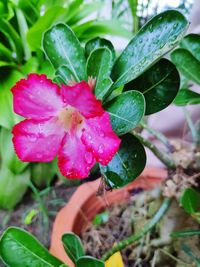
(100, 139)
(74, 160)
(37, 97)
(37, 140)
(81, 97)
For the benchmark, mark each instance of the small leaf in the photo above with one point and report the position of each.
(19, 248)
(126, 111)
(191, 42)
(127, 163)
(88, 261)
(190, 200)
(187, 97)
(159, 85)
(63, 48)
(101, 218)
(97, 43)
(99, 67)
(73, 246)
(30, 216)
(64, 74)
(187, 64)
(115, 261)
(155, 39)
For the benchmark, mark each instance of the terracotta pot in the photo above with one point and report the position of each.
(84, 205)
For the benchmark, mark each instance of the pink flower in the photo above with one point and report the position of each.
(68, 121)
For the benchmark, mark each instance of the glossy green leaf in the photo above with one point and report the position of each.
(187, 64)
(73, 246)
(126, 111)
(159, 85)
(187, 97)
(191, 43)
(155, 39)
(63, 48)
(19, 248)
(7, 152)
(99, 67)
(127, 163)
(88, 261)
(8, 118)
(12, 187)
(185, 233)
(190, 200)
(97, 43)
(64, 74)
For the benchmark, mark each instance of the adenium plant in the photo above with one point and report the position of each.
(80, 114)
(86, 120)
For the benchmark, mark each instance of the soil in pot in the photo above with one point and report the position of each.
(156, 248)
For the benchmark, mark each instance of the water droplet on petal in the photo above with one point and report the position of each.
(101, 149)
(88, 157)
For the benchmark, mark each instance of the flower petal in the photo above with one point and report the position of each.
(81, 97)
(99, 138)
(37, 97)
(74, 160)
(37, 140)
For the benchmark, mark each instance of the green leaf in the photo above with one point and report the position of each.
(190, 253)
(19, 248)
(42, 173)
(51, 16)
(99, 66)
(187, 64)
(13, 38)
(8, 155)
(155, 39)
(159, 85)
(88, 261)
(127, 163)
(8, 118)
(94, 28)
(191, 43)
(101, 218)
(73, 246)
(187, 97)
(12, 187)
(185, 233)
(126, 111)
(190, 200)
(63, 48)
(64, 74)
(97, 43)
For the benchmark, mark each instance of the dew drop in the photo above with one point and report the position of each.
(101, 149)
(88, 157)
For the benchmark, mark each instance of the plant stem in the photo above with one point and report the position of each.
(161, 155)
(158, 135)
(23, 28)
(41, 203)
(134, 6)
(147, 227)
(191, 125)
